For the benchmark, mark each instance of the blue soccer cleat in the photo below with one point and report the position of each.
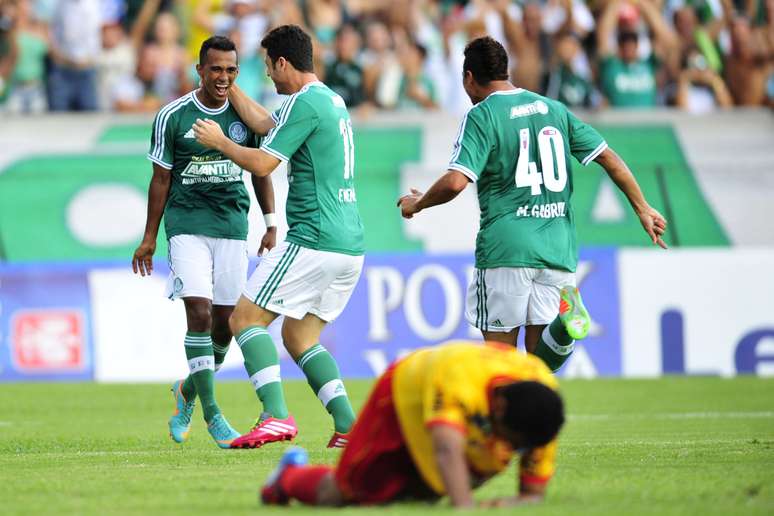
(180, 422)
(271, 493)
(222, 433)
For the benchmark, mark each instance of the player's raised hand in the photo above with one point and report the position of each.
(208, 133)
(654, 225)
(269, 240)
(142, 261)
(408, 203)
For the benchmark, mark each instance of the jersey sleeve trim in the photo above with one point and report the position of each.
(159, 162)
(282, 118)
(268, 150)
(464, 170)
(596, 152)
(160, 126)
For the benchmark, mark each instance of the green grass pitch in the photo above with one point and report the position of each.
(670, 446)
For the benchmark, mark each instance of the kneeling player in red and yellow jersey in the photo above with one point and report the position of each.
(440, 421)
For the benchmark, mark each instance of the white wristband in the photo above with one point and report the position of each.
(270, 219)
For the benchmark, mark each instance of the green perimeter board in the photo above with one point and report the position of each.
(37, 191)
(646, 149)
(35, 194)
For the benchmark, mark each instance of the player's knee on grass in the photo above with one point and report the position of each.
(198, 314)
(328, 492)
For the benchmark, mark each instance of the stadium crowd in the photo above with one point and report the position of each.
(137, 55)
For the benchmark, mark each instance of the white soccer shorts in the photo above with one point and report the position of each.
(292, 280)
(213, 268)
(505, 298)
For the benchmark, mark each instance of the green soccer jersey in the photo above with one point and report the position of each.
(206, 196)
(515, 144)
(313, 133)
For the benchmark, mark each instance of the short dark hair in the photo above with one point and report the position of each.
(487, 60)
(533, 410)
(292, 43)
(628, 37)
(216, 43)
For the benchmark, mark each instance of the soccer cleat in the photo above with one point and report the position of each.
(271, 493)
(267, 429)
(180, 422)
(573, 314)
(338, 440)
(221, 431)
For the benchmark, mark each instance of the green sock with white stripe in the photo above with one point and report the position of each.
(201, 364)
(262, 364)
(219, 352)
(555, 345)
(323, 376)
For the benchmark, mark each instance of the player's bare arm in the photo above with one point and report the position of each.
(255, 161)
(652, 221)
(254, 115)
(449, 449)
(158, 191)
(264, 192)
(444, 190)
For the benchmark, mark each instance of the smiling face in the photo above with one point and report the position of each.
(277, 71)
(218, 73)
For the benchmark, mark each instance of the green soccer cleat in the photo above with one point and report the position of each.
(221, 431)
(180, 422)
(573, 314)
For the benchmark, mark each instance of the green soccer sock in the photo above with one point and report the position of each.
(201, 364)
(188, 388)
(262, 364)
(555, 345)
(323, 376)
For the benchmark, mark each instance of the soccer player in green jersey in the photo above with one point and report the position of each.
(204, 202)
(516, 145)
(310, 277)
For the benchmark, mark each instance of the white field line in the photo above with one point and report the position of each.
(675, 415)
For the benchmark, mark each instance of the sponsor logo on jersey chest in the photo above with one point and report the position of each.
(533, 108)
(237, 132)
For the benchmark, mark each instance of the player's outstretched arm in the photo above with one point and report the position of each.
(449, 450)
(257, 117)
(444, 190)
(255, 161)
(264, 192)
(652, 221)
(158, 191)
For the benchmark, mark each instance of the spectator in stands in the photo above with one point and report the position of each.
(168, 59)
(8, 48)
(117, 63)
(381, 70)
(27, 88)
(343, 74)
(323, 18)
(532, 48)
(570, 80)
(417, 89)
(748, 63)
(629, 80)
(76, 34)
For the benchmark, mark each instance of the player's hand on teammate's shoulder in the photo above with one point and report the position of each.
(142, 261)
(408, 203)
(654, 225)
(268, 241)
(208, 133)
